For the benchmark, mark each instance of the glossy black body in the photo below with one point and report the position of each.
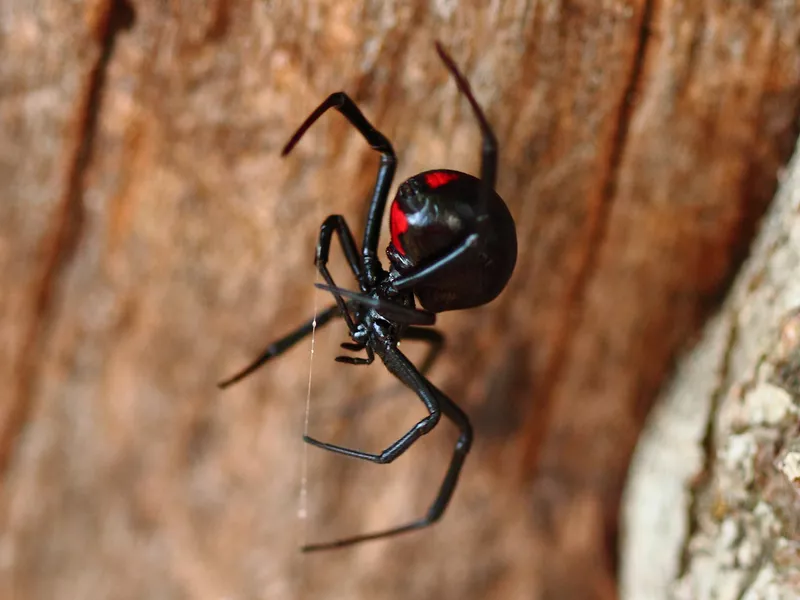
(438, 219)
(453, 245)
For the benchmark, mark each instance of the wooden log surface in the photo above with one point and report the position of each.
(152, 241)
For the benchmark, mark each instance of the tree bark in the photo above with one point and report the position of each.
(714, 496)
(152, 241)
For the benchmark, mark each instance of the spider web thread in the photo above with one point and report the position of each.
(302, 503)
(302, 510)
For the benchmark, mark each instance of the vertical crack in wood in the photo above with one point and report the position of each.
(60, 242)
(597, 228)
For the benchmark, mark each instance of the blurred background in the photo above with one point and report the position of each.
(152, 241)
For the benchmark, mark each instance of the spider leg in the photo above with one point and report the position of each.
(429, 271)
(337, 224)
(459, 418)
(356, 348)
(391, 310)
(434, 341)
(489, 145)
(342, 102)
(282, 345)
(488, 177)
(450, 410)
(397, 364)
(352, 347)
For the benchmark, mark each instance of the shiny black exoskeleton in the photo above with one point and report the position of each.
(435, 211)
(453, 246)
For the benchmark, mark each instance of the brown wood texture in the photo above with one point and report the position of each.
(152, 241)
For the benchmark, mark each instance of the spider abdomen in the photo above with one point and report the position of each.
(432, 215)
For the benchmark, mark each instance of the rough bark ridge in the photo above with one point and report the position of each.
(152, 240)
(713, 502)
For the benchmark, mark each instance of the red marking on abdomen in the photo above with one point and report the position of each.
(437, 179)
(398, 224)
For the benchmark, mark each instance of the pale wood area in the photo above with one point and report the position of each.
(713, 503)
(152, 241)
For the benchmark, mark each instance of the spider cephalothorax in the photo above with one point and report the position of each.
(453, 246)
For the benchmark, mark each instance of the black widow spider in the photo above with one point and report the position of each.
(453, 246)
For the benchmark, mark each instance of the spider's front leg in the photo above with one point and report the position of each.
(378, 142)
(337, 224)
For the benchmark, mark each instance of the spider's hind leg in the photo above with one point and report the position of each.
(397, 364)
(428, 393)
(489, 141)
